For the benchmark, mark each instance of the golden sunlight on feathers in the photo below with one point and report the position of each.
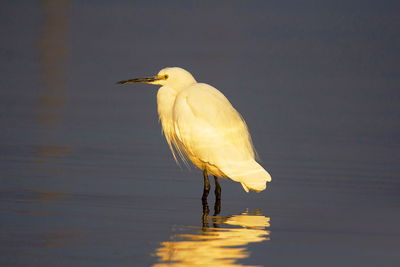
(202, 126)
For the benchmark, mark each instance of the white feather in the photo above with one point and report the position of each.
(201, 125)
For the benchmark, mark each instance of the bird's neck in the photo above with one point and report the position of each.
(179, 85)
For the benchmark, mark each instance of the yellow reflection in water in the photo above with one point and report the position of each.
(52, 240)
(53, 48)
(46, 196)
(53, 54)
(45, 153)
(220, 245)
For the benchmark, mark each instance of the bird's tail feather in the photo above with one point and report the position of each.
(249, 173)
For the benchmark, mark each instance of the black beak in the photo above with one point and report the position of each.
(140, 80)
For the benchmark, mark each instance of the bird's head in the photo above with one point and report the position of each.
(174, 77)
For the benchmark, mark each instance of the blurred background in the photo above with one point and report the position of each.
(86, 178)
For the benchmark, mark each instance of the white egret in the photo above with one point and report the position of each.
(201, 125)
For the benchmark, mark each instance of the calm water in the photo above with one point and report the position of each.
(88, 180)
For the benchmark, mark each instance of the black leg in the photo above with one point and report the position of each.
(206, 189)
(217, 205)
(204, 217)
(217, 189)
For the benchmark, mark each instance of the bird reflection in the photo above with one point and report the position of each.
(221, 241)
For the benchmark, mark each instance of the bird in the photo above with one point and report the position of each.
(201, 126)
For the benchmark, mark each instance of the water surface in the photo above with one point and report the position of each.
(87, 178)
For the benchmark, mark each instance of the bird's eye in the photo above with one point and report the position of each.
(165, 76)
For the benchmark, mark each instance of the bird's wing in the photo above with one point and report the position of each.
(209, 127)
